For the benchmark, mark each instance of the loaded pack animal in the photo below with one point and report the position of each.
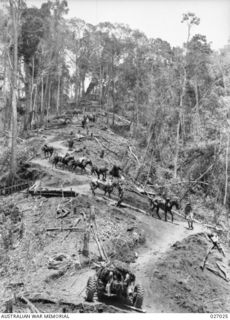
(57, 159)
(106, 186)
(85, 120)
(84, 164)
(115, 171)
(67, 159)
(91, 117)
(48, 150)
(81, 163)
(165, 205)
(64, 161)
(99, 171)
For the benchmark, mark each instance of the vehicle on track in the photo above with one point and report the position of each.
(121, 282)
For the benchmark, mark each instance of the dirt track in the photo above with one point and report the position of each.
(160, 236)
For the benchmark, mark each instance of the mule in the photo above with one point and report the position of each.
(48, 150)
(115, 171)
(165, 205)
(57, 159)
(82, 164)
(106, 186)
(99, 171)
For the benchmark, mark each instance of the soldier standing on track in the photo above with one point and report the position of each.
(120, 194)
(189, 215)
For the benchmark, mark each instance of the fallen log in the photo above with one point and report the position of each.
(126, 205)
(66, 229)
(137, 192)
(99, 245)
(53, 193)
(217, 273)
(222, 270)
(105, 147)
(30, 304)
(119, 117)
(133, 154)
(74, 226)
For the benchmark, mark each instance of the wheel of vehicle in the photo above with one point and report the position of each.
(91, 289)
(138, 296)
(130, 299)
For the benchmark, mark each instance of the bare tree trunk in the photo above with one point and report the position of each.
(226, 172)
(34, 109)
(31, 96)
(42, 102)
(58, 94)
(100, 87)
(177, 148)
(14, 16)
(145, 153)
(27, 94)
(48, 103)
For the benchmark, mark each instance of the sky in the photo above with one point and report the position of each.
(158, 18)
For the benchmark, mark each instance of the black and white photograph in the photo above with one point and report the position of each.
(114, 157)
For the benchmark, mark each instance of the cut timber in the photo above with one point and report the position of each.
(105, 147)
(222, 270)
(133, 154)
(74, 226)
(119, 117)
(135, 309)
(125, 205)
(65, 229)
(53, 193)
(217, 273)
(101, 251)
(30, 304)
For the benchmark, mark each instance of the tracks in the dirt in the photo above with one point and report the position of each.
(160, 236)
(77, 182)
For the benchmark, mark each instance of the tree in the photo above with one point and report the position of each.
(190, 19)
(15, 11)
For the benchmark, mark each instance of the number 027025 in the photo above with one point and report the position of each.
(219, 316)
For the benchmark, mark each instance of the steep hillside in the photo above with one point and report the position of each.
(42, 254)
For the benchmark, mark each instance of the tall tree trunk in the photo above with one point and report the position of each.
(48, 104)
(14, 15)
(58, 94)
(226, 171)
(196, 116)
(34, 109)
(179, 124)
(113, 89)
(42, 102)
(177, 148)
(100, 88)
(27, 95)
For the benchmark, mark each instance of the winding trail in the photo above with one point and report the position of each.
(160, 236)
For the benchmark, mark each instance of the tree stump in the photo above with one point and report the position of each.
(85, 250)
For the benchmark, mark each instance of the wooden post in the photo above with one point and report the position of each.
(85, 250)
